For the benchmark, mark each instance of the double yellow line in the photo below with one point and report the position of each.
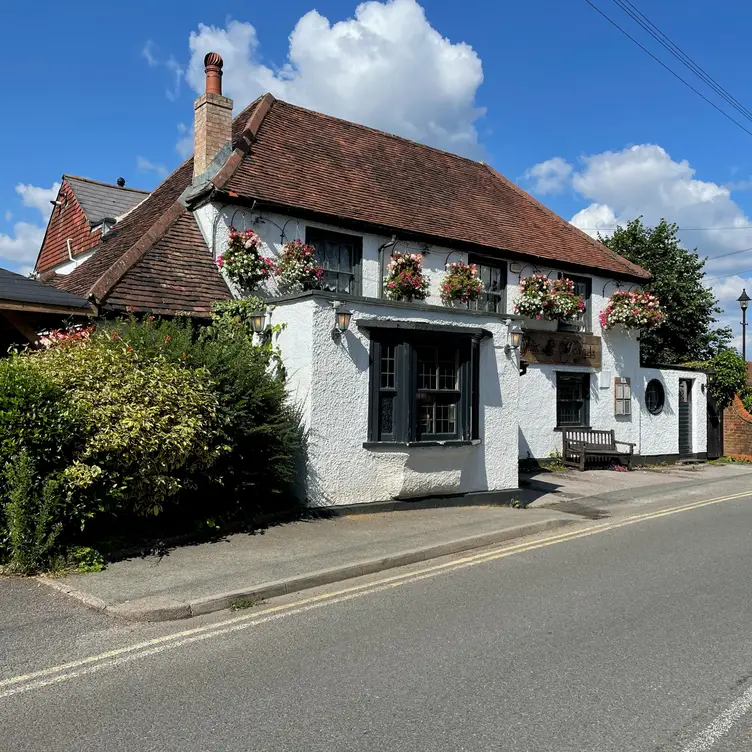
(111, 658)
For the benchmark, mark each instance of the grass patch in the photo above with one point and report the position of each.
(731, 460)
(240, 604)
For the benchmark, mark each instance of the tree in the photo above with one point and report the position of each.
(689, 331)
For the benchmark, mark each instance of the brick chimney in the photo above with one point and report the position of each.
(212, 119)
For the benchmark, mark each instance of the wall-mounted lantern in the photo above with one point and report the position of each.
(515, 339)
(258, 322)
(342, 318)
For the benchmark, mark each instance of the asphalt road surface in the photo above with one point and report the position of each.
(617, 635)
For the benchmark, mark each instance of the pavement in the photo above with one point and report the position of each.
(625, 634)
(200, 579)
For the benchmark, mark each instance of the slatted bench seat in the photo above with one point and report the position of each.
(582, 444)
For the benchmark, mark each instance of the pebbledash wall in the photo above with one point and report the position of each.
(330, 381)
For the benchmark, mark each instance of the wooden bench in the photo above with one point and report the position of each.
(582, 444)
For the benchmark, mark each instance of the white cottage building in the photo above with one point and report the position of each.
(409, 400)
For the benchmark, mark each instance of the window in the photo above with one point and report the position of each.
(622, 396)
(340, 256)
(424, 386)
(583, 287)
(572, 399)
(494, 278)
(655, 397)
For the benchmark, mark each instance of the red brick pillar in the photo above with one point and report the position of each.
(737, 430)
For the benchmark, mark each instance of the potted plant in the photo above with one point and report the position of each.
(297, 268)
(242, 261)
(404, 278)
(461, 283)
(631, 310)
(553, 301)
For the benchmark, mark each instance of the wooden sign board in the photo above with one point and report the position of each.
(561, 349)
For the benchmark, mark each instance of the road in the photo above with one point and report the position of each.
(620, 634)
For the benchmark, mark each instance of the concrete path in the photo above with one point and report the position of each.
(209, 577)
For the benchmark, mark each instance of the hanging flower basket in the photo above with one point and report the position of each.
(405, 279)
(631, 310)
(242, 262)
(555, 301)
(461, 283)
(297, 268)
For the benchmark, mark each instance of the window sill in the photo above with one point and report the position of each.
(559, 429)
(447, 443)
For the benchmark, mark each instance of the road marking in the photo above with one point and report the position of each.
(721, 725)
(118, 656)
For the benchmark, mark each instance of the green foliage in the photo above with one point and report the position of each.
(32, 515)
(689, 330)
(148, 422)
(230, 312)
(745, 395)
(261, 433)
(36, 416)
(729, 375)
(84, 559)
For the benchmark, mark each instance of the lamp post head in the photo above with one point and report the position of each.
(743, 300)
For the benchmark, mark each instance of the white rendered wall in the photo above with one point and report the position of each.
(341, 469)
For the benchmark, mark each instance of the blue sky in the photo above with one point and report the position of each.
(546, 90)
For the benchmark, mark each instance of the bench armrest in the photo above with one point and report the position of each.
(574, 444)
(626, 443)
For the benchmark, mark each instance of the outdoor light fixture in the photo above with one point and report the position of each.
(515, 338)
(342, 319)
(258, 322)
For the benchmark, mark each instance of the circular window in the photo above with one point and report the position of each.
(655, 396)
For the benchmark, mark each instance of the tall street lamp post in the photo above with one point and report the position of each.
(743, 301)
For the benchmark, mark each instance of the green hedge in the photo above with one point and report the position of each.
(186, 426)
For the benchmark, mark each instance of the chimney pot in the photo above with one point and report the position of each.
(213, 68)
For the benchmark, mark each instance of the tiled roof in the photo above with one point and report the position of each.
(18, 289)
(322, 164)
(176, 274)
(128, 232)
(101, 200)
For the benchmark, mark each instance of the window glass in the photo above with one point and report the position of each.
(572, 399)
(582, 323)
(340, 256)
(423, 392)
(655, 396)
(494, 278)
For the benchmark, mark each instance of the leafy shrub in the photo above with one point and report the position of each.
(148, 423)
(32, 514)
(36, 416)
(746, 397)
(261, 433)
(729, 375)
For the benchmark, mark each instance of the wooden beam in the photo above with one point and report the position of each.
(13, 305)
(17, 322)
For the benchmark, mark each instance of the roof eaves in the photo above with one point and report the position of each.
(630, 270)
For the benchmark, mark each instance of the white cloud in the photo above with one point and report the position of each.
(19, 249)
(645, 181)
(176, 70)
(184, 145)
(551, 176)
(38, 198)
(387, 67)
(144, 165)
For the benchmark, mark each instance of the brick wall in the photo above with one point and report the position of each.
(66, 221)
(737, 430)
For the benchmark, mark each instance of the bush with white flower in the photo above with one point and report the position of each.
(542, 298)
(461, 283)
(631, 310)
(242, 261)
(404, 278)
(297, 268)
